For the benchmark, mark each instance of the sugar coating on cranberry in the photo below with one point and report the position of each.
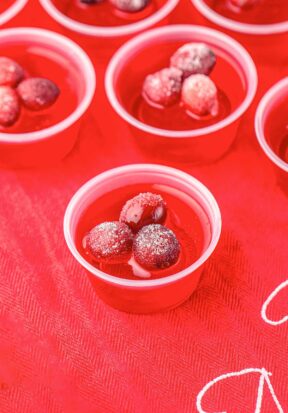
(144, 209)
(243, 3)
(163, 88)
(193, 58)
(156, 247)
(11, 73)
(37, 93)
(130, 6)
(109, 242)
(9, 106)
(200, 96)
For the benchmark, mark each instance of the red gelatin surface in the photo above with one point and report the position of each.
(262, 12)
(184, 217)
(276, 128)
(231, 89)
(5, 4)
(39, 62)
(104, 13)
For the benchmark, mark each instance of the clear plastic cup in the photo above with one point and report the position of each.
(198, 145)
(264, 41)
(105, 40)
(12, 11)
(270, 139)
(144, 296)
(53, 143)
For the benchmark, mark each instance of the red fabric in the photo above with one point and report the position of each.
(62, 350)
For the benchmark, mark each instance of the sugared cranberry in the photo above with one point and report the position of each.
(9, 106)
(109, 242)
(242, 4)
(163, 88)
(38, 93)
(193, 58)
(130, 6)
(199, 95)
(155, 247)
(11, 73)
(144, 209)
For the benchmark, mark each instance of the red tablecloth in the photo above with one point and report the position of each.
(63, 350)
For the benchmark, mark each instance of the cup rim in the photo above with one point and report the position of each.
(251, 79)
(234, 25)
(112, 31)
(12, 11)
(203, 190)
(269, 96)
(88, 71)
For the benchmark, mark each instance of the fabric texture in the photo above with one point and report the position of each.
(62, 350)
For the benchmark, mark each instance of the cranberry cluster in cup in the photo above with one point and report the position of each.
(186, 81)
(17, 89)
(139, 232)
(129, 6)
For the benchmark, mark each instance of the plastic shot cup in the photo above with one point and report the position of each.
(139, 295)
(104, 40)
(52, 143)
(266, 42)
(201, 145)
(271, 127)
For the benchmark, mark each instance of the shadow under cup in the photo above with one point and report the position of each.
(128, 69)
(144, 296)
(50, 144)
(271, 126)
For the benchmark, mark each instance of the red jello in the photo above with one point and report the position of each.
(261, 12)
(226, 76)
(104, 13)
(38, 62)
(184, 218)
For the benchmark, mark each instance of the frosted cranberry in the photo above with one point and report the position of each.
(193, 58)
(155, 247)
(144, 209)
(130, 6)
(199, 95)
(163, 88)
(109, 242)
(9, 106)
(243, 3)
(38, 93)
(11, 73)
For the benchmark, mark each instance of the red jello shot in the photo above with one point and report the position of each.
(170, 133)
(9, 9)
(260, 25)
(147, 283)
(271, 126)
(104, 25)
(40, 137)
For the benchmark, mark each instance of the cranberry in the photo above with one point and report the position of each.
(130, 6)
(163, 88)
(11, 73)
(9, 106)
(193, 58)
(38, 93)
(155, 247)
(199, 95)
(109, 242)
(144, 209)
